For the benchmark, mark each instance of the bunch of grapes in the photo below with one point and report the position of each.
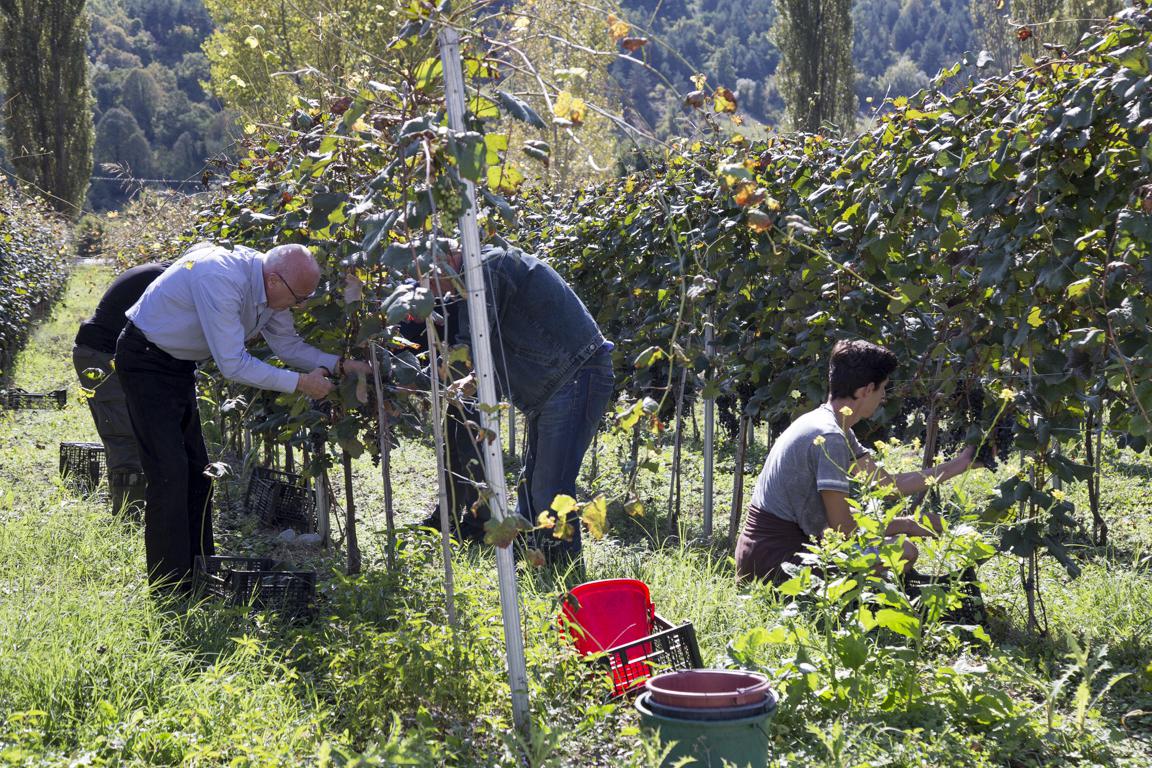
(969, 422)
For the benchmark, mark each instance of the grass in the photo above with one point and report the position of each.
(95, 672)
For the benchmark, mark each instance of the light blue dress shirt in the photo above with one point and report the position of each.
(209, 303)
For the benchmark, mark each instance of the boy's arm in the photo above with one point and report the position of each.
(839, 515)
(838, 512)
(917, 481)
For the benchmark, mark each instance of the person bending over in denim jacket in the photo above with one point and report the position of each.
(553, 363)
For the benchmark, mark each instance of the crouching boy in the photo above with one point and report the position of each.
(804, 485)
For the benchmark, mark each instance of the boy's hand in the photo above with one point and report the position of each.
(908, 527)
(967, 459)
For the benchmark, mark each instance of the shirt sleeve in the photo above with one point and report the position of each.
(280, 333)
(858, 450)
(832, 458)
(218, 302)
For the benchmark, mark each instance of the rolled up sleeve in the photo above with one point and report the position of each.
(832, 458)
(218, 303)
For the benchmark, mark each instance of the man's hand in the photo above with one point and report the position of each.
(314, 384)
(352, 367)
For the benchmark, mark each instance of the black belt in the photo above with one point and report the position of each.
(152, 350)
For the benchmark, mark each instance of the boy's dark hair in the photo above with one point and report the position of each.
(857, 363)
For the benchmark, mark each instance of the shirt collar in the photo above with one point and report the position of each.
(257, 278)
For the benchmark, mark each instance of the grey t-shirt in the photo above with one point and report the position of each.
(801, 464)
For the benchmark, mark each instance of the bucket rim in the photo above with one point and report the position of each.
(641, 706)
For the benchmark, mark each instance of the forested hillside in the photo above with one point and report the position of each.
(158, 66)
(897, 46)
(153, 117)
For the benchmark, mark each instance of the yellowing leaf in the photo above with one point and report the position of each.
(595, 516)
(634, 508)
(1079, 288)
(1034, 318)
(483, 108)
(569, 107)
(563, 504)
(618, 28)
(699, 79)
(760, 221)
(545, 520)
(747, 194)
(504, 177)
(725, 100)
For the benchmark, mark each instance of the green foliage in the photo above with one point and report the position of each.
(993, 232)
(47, 119)
(94, 672)
(264, 55)
(34, 247)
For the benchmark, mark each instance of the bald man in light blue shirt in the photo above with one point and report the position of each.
(207, 305)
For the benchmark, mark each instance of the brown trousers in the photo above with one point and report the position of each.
(766, 544)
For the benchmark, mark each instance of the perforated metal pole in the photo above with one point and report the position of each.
(486, 388)
(709, 440)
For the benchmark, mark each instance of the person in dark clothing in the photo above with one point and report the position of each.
(555, 366)
(92, 353)
(463, 465)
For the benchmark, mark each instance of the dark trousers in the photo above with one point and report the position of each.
(109, 411)
(465, 470)
(161, 395)
(559, 434)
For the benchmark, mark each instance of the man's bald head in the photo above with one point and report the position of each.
(296, 270)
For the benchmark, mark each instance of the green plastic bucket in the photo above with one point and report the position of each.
(742, 742)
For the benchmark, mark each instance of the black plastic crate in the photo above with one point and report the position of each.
(670, 648)
(257, 582)
(83, 466)
(18, 399)
(280, 499)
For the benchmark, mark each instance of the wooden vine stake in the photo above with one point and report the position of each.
(447, 511)
(454, 96)
(738, 482)
(320, 489)
(350, 527)
(677, 449)
(385, 442)
(1092, 433)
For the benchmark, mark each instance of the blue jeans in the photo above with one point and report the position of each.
(558, 435)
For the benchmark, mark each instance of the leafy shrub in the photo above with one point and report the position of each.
(34, 244)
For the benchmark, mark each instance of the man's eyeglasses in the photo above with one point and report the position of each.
(298, 299)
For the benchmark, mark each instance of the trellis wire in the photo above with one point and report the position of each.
(441, 483)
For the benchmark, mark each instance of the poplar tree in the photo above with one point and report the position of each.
(48, 114)
(815, 75)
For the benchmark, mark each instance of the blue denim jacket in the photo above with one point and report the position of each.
(541, 331)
